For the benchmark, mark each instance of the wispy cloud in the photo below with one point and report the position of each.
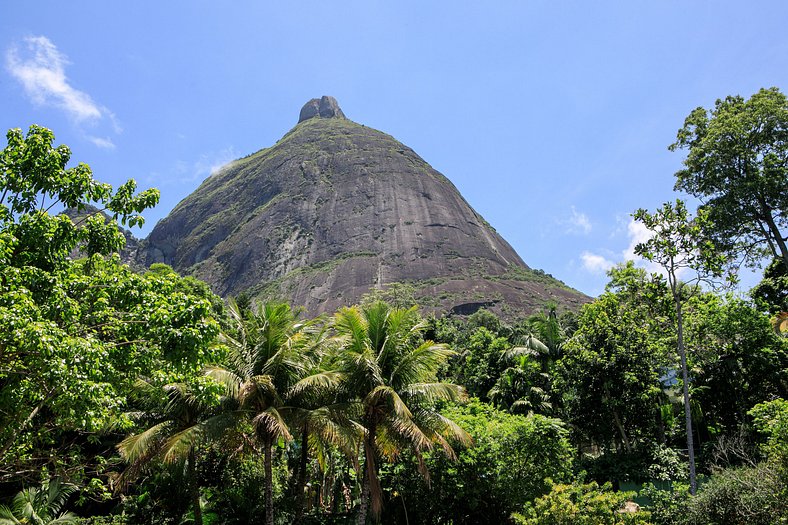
(595, 263)
(205, 165)
(577, 222)
(104, 143)
(41, 69)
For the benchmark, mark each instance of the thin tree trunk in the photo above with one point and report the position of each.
(301, 497)
(685, 380)
(269, 483)
(195, 486)
(621, 431)
(363, 507)
(370, 478)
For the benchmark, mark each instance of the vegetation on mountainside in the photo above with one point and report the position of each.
(142, 398)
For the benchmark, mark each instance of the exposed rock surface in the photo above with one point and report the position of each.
(324, 107)
(336, 209)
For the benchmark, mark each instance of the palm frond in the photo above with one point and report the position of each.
(534, 349)
(388, 396)
(432, 392)
(230, 380)
(434, 423)
(317, 383)
(145, 443)
(270, 423)
(259, 391)
(57, 494)
(7, 516)
(421, 363)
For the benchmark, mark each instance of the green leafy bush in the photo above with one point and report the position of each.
(508, 464)
(581, 504)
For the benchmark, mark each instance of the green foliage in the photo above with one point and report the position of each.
(582, 504)
(75, 335)
(739, 496)
(771, 419)
(738, 360)
(771, 294)
(508, 464)
(40, 506)
(481, 362)
(737, 164)
(666, 506)
(610, 373)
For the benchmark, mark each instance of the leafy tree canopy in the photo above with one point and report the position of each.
(737, 164)
(75, 335)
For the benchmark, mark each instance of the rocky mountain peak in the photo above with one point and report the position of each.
(324, 107)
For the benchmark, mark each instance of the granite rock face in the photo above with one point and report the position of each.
(336, 209)
(324, 107)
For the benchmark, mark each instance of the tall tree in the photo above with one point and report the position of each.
(391, 372)
(180, 417)
(268, 364)
(737, 164)
(76, 334)
(681, 246)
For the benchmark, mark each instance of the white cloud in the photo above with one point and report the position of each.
(577, 222)
(207, 164)
(104, 143)
(596, 263)
(41, 70)
(210, 163)
(637, 233)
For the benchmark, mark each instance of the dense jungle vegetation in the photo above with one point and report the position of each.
(142, 398)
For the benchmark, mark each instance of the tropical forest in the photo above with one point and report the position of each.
(182, 380)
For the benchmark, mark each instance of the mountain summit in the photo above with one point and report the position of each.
(324, 107)
(334, 210)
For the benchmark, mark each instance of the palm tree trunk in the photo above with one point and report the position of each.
(269, 483)
(191, 469)
(363, 508)
(371, 487)
(300, 496)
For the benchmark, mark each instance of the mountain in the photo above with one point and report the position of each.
(335, 209)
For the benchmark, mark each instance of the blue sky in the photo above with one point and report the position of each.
(551, 118)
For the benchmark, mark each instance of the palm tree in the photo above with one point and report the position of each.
(40, 506)
(270, 363)
(518, 389)
(322, 421)
(180, 422)
(390, 372)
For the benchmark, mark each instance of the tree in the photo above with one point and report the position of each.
(736, 358)
(610, 372)
(76, 334)
(737, 164)
(42, 506)
(390, 372)
(180, 418)
(268, 364)
(511, 458)
(680, 244)
(771, 294)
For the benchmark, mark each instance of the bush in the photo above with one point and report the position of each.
(740, 496)
(509, 464)
(581, 504)
(667, 506)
